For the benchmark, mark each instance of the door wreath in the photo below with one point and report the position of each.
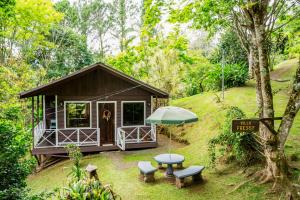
(106, 115)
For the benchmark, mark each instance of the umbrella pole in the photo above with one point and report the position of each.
(170, 144)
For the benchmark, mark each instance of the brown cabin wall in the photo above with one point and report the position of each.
(96, 86)
(118, 99)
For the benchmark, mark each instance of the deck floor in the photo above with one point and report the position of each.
(92, 148)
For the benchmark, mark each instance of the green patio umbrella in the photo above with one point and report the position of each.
(171, 115)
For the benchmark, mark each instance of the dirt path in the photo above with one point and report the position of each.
(283, 68)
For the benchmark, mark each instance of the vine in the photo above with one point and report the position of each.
(241, 147)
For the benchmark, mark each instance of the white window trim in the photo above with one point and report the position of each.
(97, 106)
(122, 102)
(65, 114)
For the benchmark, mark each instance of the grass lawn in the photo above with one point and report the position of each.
(119, 168)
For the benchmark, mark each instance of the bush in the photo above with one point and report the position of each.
(13, 147)
(79, 185)
(229, 50)
(234, 76)
(88, 189)
(241, 147)
(194, 77)
(75, 155)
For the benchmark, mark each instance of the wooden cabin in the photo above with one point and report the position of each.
(97, 108)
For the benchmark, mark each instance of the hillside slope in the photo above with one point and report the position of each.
(119, 168)
(211, 114)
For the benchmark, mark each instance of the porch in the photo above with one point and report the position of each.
(54, 140)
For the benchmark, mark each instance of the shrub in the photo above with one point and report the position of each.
(241, 147)
(229, 50)
(235, 75)
(194, 77)
(88, 189)
(80, 186)
(75, 155)
(14, 145)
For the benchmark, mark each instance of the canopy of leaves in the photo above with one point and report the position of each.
(14, 146)
(229, 50)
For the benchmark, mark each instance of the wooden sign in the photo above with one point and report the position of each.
(245, 125)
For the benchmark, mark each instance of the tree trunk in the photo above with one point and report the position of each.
(291, 110)
(122, 14)
(276, 167)
(255, 68)
(251, 64)
(275, 160)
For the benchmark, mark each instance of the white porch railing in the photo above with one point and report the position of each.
(121, 139)
(38, 132)
(61, 137)
(137, 134)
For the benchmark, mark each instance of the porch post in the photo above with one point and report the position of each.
(44, 112)
(151, 104)
(56, 124)
(32, 119)
(138, 134)
(38, 109)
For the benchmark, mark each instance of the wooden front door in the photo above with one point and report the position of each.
(106, 119)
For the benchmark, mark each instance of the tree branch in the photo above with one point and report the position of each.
(291, 110)
(284, 24)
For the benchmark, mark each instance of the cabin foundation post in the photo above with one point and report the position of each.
(43, 159)
(37, 159)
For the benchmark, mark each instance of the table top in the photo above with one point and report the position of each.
(169, 158)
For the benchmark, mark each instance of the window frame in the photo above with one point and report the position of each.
(122, 113)
(65, 114)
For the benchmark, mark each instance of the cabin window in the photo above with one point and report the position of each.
(133, 113)
(77, 114)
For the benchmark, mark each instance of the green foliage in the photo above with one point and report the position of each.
(70, 54)
(70, 13)
(151, 16)
(292, 31)
(172, 66)
(125, 61)
(32, 23)
(241, 147)
(208, 14)
(230, 49)
(14, 145)
(87, 189)
(75, 155)
(68, 51)
(195, 74)
(234, 76)
(81, 187)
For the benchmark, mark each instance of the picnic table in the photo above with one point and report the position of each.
(169, 159)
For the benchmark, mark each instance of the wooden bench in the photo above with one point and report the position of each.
(146, 171)
(194, 171)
